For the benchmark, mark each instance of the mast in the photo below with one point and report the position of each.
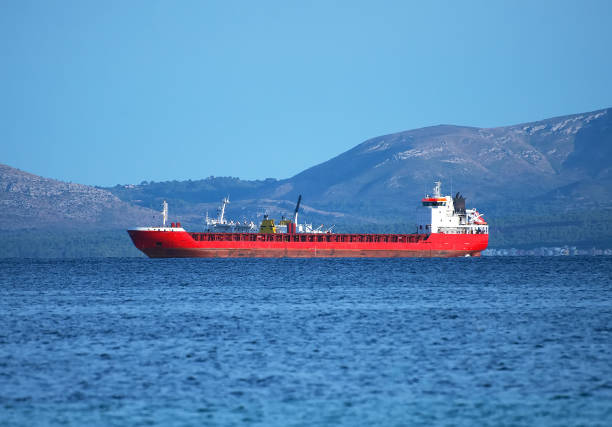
(297, 208)
(437, 189)
(224, 202)
(165, 212)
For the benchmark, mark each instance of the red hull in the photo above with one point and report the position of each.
(181, 244)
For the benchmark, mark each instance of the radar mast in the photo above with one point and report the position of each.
(437, 191)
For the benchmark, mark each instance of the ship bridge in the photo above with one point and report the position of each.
(448, 215)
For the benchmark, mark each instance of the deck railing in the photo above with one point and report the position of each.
(465, 229)
(303, 237)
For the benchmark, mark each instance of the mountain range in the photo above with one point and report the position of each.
(522, 161)
(544, 169)
(564, 160)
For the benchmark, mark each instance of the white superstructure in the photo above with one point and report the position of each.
(448, 215)
(221, 225)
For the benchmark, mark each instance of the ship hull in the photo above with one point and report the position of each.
(181, 244)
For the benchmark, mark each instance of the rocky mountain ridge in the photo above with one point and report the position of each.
(566, 160)
(487, 164)
(30, 201)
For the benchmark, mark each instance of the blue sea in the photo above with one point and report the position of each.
(502, 341)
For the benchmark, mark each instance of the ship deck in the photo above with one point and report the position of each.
(310, 237)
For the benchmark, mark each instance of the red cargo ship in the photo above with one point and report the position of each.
(450, 230)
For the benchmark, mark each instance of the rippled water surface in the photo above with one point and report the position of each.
(490, 341)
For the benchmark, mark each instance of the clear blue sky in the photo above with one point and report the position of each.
(107, 92)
